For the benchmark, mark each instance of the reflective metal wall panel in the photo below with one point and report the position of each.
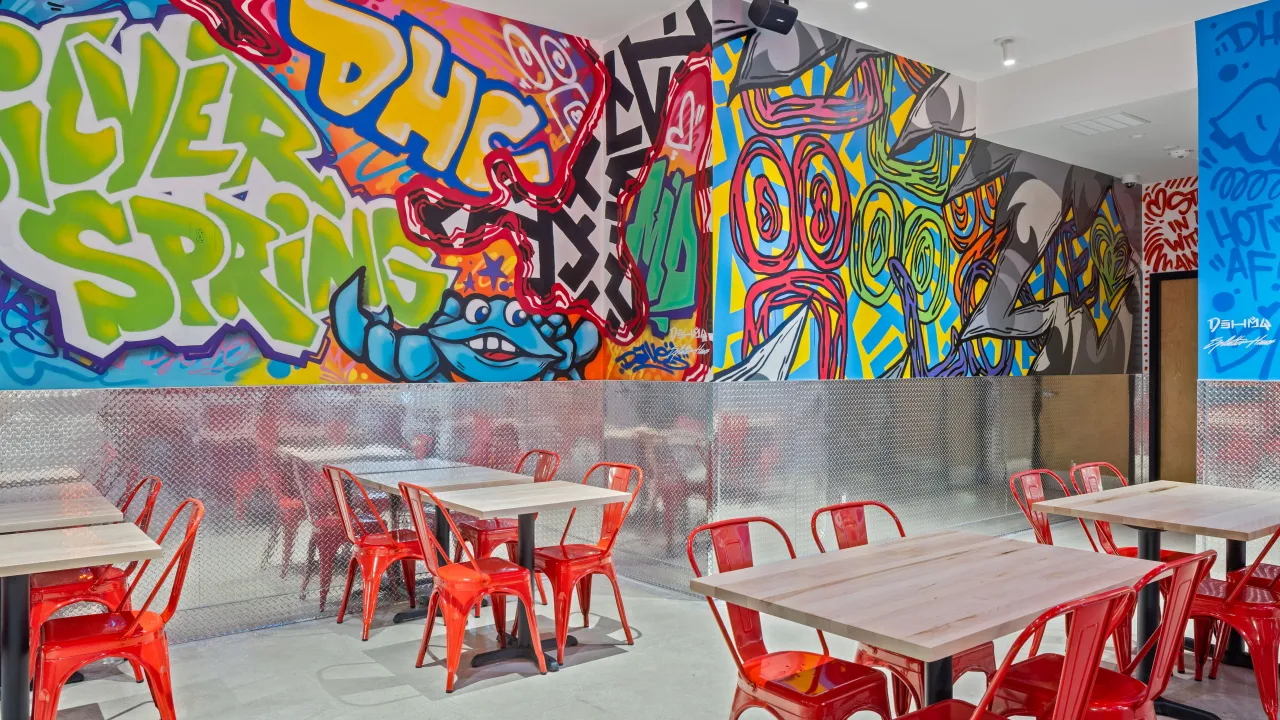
(938, 450)
(1239, 434)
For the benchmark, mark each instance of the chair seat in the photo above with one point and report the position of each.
(475, 526)
(1037, 679)
(1165, 555)
(554, 554)
(494, 569)
(394, 538)
(81, 634)
(1218, 589)
(71, 580)
(949, 710)
(800, 675)
(1262, 577)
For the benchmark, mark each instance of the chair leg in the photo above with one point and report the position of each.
(50, 676)
(1263, 641)
(526, 599)
(498, 604)
(154, 657)
(542, 593)
(901, 695)
(584, 599)
(455, 627)
(617, 595)
(410, 569)
(1203, 629)
(327, 549)
(432, 606)
(561, 605)
(371, 571)
(346, 593)
(290, 530)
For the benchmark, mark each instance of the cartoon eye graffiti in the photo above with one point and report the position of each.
(558, 58)
(515, 315)
(529, 58)
(477, 311)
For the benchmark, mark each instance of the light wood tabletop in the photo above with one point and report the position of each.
(508, 501)
(345, 454)
(67, 548)
(444, 479)
(1221, 512)
(22, 477)
(362, 467)
(927, 596)
(56, 512)
(48, 491)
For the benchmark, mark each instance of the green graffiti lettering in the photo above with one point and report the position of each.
(75, 157)
(289, 262)
(20, 134)
(147, 302)
(663, 234)
(203, 85)
(142, 123)
(19, 56)
(242, 286)
(275, 136)
(331, 262)
(425, 286)
(190, 246)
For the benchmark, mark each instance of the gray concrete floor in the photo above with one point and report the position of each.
(678, 668)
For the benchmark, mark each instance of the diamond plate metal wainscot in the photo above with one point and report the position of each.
(1239, 434)
(219, 445)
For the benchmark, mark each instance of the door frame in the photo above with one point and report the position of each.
(1155, 305)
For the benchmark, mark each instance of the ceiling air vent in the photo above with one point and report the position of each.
(1106, 123)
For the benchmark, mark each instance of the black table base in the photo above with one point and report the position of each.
(15, 647)
(521, 648)
(1149, 622)
(937, 681)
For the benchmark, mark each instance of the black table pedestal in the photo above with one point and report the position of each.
(937, 681)
(15, 647)
(521, 646)
(1149, 622)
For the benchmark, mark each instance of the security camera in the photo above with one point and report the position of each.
(1131, 180)
(775, 15)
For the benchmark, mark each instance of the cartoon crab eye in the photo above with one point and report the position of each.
(516, 316)
(477, 311)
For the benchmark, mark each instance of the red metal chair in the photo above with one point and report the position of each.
(1031, 686)
(105, 585)
(460, 586)
(793, 684)
(1076, 677)
(1087, 478)
(573, 565)
(423, 446)
(371, 552)
(486, 536)
(1253, 612)
(69, 643)
(849, 521)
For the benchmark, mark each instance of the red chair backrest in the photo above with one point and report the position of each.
(618, 478)
(1031, 483)
(1179, 590)
(731, 541)
(544, 463)
(176, 567)
(1087, 478)
(340, 481)
(1243, 580)
(850, 522)
(1089, 623)
(432, 550)
(143, 520)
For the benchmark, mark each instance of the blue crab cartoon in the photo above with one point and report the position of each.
(489, 339)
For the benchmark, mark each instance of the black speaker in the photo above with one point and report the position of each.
(775, 15)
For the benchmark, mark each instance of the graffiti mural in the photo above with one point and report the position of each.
(1239, 150)
(1170, 237)
(659, 126)
(307, 191)
(861, 230)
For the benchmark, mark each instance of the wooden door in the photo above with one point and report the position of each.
(1176, 378)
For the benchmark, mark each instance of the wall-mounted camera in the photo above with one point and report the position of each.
(775, 15)
(1131, 180)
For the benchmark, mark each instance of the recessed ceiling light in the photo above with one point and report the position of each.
(1135, 136)
(1006, 51)
(861, 5)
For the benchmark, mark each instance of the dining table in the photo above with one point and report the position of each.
(525, 501)
(925, 596)
(1236, 515)
(44, 535)
(437, 475)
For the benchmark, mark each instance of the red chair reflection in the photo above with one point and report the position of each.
(69, 643)
(1070, 683)
(850, 523)
(1253, 612)
(371, 552)
(1032, 686)
(570, 566)
(460, 586)
(793, 683)
(486, 536)
(1087, 478)
(105, 585)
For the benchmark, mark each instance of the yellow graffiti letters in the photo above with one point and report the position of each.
(363, 55)
(450, 112)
